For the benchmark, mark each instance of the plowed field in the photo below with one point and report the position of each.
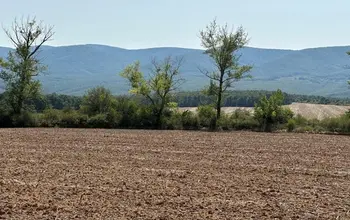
(133, 174)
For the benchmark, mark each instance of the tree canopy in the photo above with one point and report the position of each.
(222, 44)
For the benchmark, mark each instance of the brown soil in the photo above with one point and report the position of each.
(309, 111)
(118, 174)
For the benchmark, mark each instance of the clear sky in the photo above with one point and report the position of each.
(289, 24)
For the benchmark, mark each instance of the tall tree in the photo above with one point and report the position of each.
(22, 63)
(221, 45)
(163, 80)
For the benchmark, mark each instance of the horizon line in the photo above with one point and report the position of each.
(178, 47)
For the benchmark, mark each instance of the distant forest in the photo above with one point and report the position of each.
(244, 98)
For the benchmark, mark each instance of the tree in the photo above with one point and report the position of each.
(157, 89)
(221, 45)
(23, 63)
(269, 111)
(98, 100)
(100, 105)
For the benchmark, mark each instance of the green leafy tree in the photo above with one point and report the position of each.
(98, 100)
(100, 105)
(221, 45)
(269, 111)
(22, 63)
(158, 88)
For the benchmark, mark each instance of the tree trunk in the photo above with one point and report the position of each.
(159, 121)
(159, 116)
(19, 106)
(20, 94)
(218, 104)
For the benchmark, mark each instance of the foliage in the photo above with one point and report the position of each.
(24, 119)
(243, 120)
(50, 118)
(248, 98)
(159, 87)
(189, 120)
(269, 111)
(206, 116)
(337, 124)
(221, 45)
(224, 122)
(128, 110)
(73, 119)
(23, 64)
(61, 101)
(98, 100)
(174, 122)
(291, 125)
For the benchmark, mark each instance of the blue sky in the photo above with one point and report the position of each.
(292, 24)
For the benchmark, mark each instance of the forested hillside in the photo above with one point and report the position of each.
(74, 69)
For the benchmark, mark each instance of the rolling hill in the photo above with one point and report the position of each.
(316, 71)
(307, 110)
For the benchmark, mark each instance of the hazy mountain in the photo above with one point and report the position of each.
(316, 71)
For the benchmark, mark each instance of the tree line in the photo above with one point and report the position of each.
(248, 98)
(153, 100)
(237, 98)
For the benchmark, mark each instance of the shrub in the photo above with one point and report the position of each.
(245, 124)
(224, 122)
(174, 122)
(270, 113)
(128, 111)
(284, 116)
(98, 121)
(206, 116)
(25, 119)
(243, 120)
(98, 100)
(307, 128)
(189, 120)
(50, 118)
(113, 118)
(291, 124)
(145, 117)
(300, 120)
(241, 114)
(73, 119)
(319, 129)
(338, 124)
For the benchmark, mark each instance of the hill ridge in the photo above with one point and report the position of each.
(311, 71)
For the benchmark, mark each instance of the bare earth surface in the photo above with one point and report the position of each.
(118, 174)
(307, 110)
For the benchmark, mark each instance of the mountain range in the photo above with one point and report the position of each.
(316, 71)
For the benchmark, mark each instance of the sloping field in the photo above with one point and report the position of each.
(307, 110)
(119, 174)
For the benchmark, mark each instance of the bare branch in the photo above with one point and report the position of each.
(47, 36)
(27, 36)
(208, 74)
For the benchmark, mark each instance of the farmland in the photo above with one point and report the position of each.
(307, 110)
(137, 174)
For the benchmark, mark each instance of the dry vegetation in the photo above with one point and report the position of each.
(119, 174)
(309, 111)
